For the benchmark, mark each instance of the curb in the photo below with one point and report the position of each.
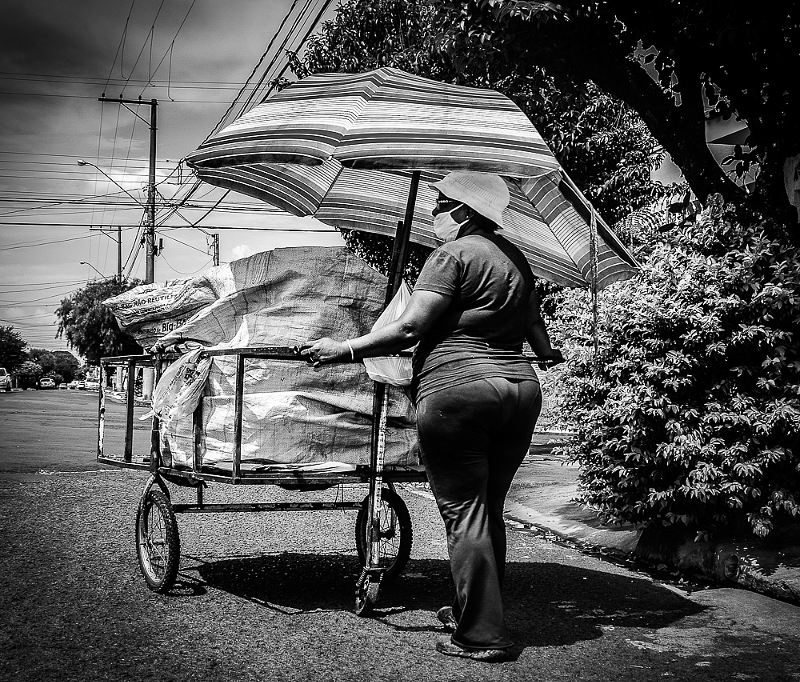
(765, 567)
(769, 567)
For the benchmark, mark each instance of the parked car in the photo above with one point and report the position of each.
(47, 382)
(73, 385)
(63, 386)
(81, 385)
(5, 380)
(91, 385)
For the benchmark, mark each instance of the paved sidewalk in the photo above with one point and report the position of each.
(543, 495)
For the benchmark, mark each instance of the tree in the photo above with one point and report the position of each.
(12, 348)
(601, 142)
(668, 60)
(690, 419)
(29, 373)
(66, 364)
(90, 327)
(44, 358)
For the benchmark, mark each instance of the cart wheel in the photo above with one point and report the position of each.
(157, 543)
(395, 533)
(367, 590)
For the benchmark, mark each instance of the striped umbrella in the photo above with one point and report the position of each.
(383, 119)
(352, 150)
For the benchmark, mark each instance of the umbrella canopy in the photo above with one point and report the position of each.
(344, 147)
(384, 119)
(540, 219)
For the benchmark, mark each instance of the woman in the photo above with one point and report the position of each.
(477, 396)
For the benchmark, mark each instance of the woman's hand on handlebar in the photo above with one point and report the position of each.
(324, 351)
(551, 359)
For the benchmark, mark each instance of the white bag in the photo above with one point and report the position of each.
(180, 387)
(393, 369)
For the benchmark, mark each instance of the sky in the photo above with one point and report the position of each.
(56, 60)
(193, 56)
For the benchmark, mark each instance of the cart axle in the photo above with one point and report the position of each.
(261, 506)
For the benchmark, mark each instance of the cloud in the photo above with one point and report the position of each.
(241, 251)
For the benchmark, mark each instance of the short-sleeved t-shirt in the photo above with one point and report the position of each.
(480, 335)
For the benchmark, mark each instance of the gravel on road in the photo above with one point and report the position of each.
(269, 596)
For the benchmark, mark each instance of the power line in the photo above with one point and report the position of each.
(144, 44)
(31, 303)
(55, 241)
(52, 94)
(32, 284)
(193, 272)
(91, 80)
(255, 69)
(68, 156)
(169, 50)
(196, 183)
(191, 246)
(121, 42)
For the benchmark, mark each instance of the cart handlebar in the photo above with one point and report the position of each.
(285, 353)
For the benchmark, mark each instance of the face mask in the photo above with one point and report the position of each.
(445, 227)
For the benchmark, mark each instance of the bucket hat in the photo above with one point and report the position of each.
(485, 193)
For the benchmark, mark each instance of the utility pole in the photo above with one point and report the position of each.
(150, 208)
(215, 247)
(148, 377)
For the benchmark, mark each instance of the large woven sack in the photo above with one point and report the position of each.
(292, 412)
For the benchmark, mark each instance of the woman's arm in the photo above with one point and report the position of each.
(424, 308)
(537, 335)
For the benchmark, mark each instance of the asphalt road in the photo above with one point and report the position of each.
(56, 430)
(269, 596)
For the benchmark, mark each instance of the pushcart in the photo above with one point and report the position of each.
(383, 528)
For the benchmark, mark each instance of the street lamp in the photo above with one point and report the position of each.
(82, 162)
(83, 262)
(149, 209)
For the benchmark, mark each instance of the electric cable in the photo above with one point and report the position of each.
(120, 44)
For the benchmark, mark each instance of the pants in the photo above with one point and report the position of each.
(473, 439)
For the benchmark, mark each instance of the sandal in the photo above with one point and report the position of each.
(447, 648)
(446, 618)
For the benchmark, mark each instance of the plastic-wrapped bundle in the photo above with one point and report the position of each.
(292, 413)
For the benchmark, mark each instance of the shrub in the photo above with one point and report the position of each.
(691, 416)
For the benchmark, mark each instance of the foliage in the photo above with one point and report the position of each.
(668, 60)
(28, 374)
(377, 251)
(12, 348)
(90, 327)
(66, 364)
(57, 363)
(691, 417)
(600, 141)
(44, 358)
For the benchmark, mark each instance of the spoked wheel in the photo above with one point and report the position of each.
(367, 589)
(157, 542)
(395, 533)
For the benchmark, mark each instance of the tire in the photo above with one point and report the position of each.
(396, 536)
(157, 542)
(367, 591)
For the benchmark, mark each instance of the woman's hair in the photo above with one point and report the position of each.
(482, 222)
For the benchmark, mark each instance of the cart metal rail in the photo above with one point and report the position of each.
(383, 525)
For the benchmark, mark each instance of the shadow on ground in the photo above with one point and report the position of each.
(547, 604)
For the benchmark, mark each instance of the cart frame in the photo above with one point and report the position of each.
(156, 497)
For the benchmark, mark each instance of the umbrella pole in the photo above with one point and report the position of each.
(380, 398)
(593, 255)
(397, 265)
(593, 264)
